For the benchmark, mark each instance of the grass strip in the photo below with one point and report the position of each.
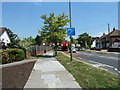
(88, 76)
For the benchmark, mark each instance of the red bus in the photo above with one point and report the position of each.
(64, 46)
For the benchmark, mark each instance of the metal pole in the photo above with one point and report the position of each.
(109, 35)
(70, 27)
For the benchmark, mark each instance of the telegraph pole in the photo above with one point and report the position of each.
(109, 35)
(108, 28)
(70, 27)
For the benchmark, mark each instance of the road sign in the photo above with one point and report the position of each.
(70, 31)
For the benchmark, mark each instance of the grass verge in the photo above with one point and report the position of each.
(88, 76)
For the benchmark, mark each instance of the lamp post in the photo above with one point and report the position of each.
(70, 27)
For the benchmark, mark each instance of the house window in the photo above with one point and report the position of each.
(2, 39)
(107, 39)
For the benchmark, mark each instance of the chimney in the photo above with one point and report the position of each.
(114, 29)
(103, 33)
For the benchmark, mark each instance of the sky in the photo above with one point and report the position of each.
(23, 18)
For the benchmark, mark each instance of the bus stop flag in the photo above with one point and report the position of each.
(70, 31)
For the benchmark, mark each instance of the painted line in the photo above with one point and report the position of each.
(94, 65)
(106, 66)
(85, 62)
(117, 70)
(101, 64)
(103, 69)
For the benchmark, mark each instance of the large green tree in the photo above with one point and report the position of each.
(38, 39)
(54, 29)
(84, 40)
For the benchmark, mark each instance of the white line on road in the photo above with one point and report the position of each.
(100, 64)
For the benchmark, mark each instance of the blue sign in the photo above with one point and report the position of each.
(70, 31)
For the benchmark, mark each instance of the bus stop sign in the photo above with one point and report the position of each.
(70, 31)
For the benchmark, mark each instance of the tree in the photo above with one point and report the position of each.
(74, 41)
(25, 44)
(13, 38)
(38, 39)
(54, 29)
(84, 40)
(31, 39)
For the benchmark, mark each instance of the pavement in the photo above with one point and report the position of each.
(49, 73)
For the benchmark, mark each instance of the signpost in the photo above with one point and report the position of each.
(70, 31)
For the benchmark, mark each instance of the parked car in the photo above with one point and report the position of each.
(73, 49)
(77, 48)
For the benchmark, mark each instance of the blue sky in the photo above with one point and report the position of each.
(23, 18)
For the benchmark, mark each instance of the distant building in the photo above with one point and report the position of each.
(111, 40)
(4, 37)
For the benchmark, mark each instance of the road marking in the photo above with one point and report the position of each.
(117, 70)
(91, 54)
(100, 64)
(97, 65)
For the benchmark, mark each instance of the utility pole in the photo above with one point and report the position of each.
(109, 35)
(108, 28)
(70, 27)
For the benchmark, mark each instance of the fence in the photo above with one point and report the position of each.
(114, 49)
(35, 49)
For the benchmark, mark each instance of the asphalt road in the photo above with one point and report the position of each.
(109, 62)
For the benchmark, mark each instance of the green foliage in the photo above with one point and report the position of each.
(54, 28)
(84, 40)
(88, 76)
(74, 41)
(26, 42)
(39, 39)
(87, 47)
(13, 38)
(12, 55)
(30, 39)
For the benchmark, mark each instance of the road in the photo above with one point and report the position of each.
(109, 62)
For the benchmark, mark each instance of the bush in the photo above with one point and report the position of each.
(87, 47)
(12, 55)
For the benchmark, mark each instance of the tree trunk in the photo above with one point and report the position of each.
(55, 49)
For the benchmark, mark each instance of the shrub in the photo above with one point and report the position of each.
(87, 47)
(12, 55)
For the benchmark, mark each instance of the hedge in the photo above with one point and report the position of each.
(12, 55)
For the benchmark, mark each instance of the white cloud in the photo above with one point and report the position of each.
(99, 34)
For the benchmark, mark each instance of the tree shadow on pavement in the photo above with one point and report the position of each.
(47, 56)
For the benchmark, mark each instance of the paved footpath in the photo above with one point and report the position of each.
(49, 73)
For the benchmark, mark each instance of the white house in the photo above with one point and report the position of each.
(4, 37)
(93, 44)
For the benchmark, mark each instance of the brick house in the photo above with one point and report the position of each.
(111, 40)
